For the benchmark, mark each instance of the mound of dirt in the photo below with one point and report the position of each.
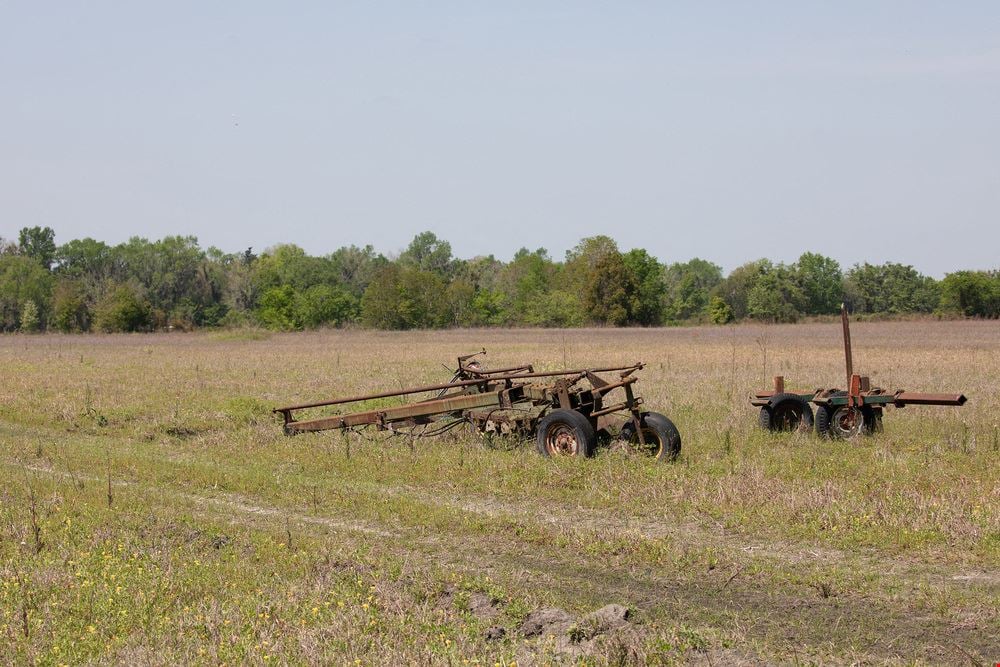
(575, 636)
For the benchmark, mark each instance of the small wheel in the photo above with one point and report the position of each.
(565, 433)
(844, 421)
(787, 412)
(662, 439)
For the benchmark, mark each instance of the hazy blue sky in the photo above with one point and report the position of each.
(730, 131)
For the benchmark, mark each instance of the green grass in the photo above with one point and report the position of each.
(225, 542)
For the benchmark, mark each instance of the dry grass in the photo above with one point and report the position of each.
(751, 548)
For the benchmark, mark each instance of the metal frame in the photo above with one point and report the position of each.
(859, 393)
(502, 401)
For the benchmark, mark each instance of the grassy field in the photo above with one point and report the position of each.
(152, 512)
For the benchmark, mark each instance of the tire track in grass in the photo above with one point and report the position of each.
(746, 610)
(230, 501)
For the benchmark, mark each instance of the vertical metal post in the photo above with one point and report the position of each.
(636, 415)
(847, 342)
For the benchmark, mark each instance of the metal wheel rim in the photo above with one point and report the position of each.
(653, 444)
(561, 440)
(847, 421)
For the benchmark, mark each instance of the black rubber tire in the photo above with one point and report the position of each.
(871, 422)
(660, 434)
(787, 412)
(565, 433)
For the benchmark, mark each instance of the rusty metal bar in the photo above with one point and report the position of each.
(513, 369)
(385, 394)
(397, 413)
(847, 342)
(618, 407)
(581, 372)
(854, 391)
(917, 398)
(603, 389)
(462, 383)
(779, 384)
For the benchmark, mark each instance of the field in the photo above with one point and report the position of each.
(152, 512)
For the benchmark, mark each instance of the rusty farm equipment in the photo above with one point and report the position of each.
(840, 413)
(567, 411)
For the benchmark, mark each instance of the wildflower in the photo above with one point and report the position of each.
(91, 629)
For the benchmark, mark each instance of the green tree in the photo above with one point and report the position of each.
(971, 293)
(22, 279)
(123, 308)
(647, 273)
(555, 308)
(323, 304)
(460, 295)
(719, 311)
(290, 265)
(611, 295)
(775, 296)
(487, 308)
(354, 267)
(821, 282)
(688, 287)
(70, 312)
(424, 300)
(276, 308)
(380, 303)
(527, 277)
(405, 298)
(39, 243)
(891, 289)
(582, 260)
(85, 259)
(427, 252)
(735, 289)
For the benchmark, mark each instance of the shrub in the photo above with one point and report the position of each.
(123, 309)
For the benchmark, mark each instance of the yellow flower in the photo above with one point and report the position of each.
(91, 629)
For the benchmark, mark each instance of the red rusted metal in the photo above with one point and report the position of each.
(915, 398)
(845, 322)
(500, 400)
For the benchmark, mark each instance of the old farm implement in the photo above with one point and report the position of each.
(840, 413)
(567, 411)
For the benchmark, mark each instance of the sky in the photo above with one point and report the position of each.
(865, 131)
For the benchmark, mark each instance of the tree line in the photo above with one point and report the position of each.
(142, 285)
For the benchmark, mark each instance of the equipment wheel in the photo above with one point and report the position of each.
(844, 421)
(662, 439)
(787, 412)
(565, 432)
